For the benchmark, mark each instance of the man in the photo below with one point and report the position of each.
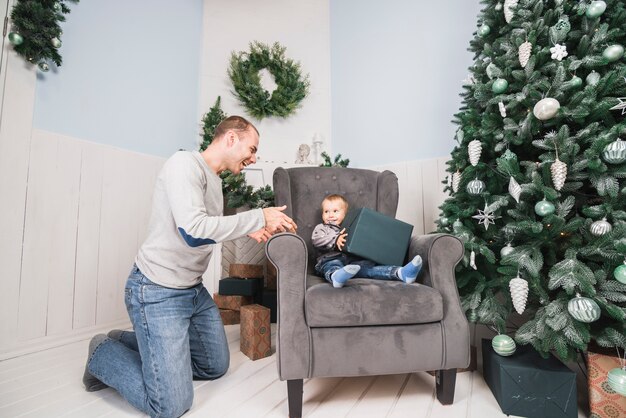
(178, 333)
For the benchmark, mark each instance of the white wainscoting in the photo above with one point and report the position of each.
(77, 215)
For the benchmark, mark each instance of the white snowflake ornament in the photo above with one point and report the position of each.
(558, 52)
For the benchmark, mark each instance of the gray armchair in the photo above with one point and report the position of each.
(368, 327)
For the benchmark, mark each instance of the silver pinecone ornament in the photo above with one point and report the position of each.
(474, 149)
(456, 181)
(519, 293)
(508, 13)
(559, 172)
(515, 189)
(523, 53)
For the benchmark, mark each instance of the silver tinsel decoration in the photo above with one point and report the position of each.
(508, 13)
(523, 53)
(456, 181)
(474, 149)
(519, 293)
(615, 152)
(475, 187)
(515, 189)
(559, 173)
(601, 227)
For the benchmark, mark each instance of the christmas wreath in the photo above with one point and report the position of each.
(291, 88)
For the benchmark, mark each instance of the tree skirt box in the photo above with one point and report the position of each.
(246, 271)
(528, 385)
(255, 341)
(229, 317)
(233, 302)
(269, 301)
(377, 237)
(604, 402)
(231, 286)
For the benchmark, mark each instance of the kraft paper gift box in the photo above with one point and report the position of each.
(255, 332)
(528, 385)
(604, 402)
(229, 317)
(377, 237)
(246, 271)
(232, 302)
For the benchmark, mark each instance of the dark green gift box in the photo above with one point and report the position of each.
(269, 301)
(377, 237)
(528, 385)
(231, 286)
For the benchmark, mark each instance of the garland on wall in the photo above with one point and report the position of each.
(291, 88)
(35, 31)
(237, 192)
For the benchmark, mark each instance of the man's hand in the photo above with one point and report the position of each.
(276, 221)
(341, 239)
(260, 236)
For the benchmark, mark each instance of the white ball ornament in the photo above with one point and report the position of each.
(592, 79)
(546, 108)
(595, 9)
(613, 52)
(506, 250)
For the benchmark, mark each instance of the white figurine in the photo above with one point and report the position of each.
(303, 154)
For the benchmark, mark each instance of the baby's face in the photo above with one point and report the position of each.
(333, 212)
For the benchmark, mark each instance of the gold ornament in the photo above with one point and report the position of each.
(559, 172)
(523, 53)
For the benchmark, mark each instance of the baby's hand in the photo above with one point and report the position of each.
(341, 240)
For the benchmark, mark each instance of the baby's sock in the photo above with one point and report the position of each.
(409, 273)
(341, 276)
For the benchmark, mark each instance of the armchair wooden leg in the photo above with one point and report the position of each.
(446, 380)
(294, 398)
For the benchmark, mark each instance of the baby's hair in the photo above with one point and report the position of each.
(334, 198)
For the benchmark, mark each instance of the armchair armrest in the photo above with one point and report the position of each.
(288, 253)
(440, 254)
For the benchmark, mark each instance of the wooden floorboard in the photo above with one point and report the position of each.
(48, 384)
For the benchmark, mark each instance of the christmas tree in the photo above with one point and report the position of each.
(537, 189)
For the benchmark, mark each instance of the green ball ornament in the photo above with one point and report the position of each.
(583, 309)
(576, 81)
(15, 38)
(620, 273)
(484, 30)
(617, 380)
(613, 52)
(472, 316)
(544, 208)
(593, 78)
(595, 9)
(499, 86)
(43, 67)
(503, 345)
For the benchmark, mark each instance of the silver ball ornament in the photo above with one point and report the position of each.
(583, 309)
(475, 187)
(43, 67)
(593, 78)
(15, 38)
(546, 108)
(599, 228)
(615, 152)
(56, 42)
(506, 250)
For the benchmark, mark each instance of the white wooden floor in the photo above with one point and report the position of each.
(48, 384)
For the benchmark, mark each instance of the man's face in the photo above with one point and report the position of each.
(243, 151)
(333, 211)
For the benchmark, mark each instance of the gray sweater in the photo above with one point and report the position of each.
(186, 222)
(324, 239)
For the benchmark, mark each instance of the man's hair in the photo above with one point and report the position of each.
(334, 198)
(235, 123)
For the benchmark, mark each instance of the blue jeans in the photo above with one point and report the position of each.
(178, 335)
(369, 269)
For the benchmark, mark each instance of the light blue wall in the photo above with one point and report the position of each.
(396, 72)
(130, 75)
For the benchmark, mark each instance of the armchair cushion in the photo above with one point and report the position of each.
(364, 302)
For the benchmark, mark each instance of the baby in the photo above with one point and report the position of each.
(337, 267)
